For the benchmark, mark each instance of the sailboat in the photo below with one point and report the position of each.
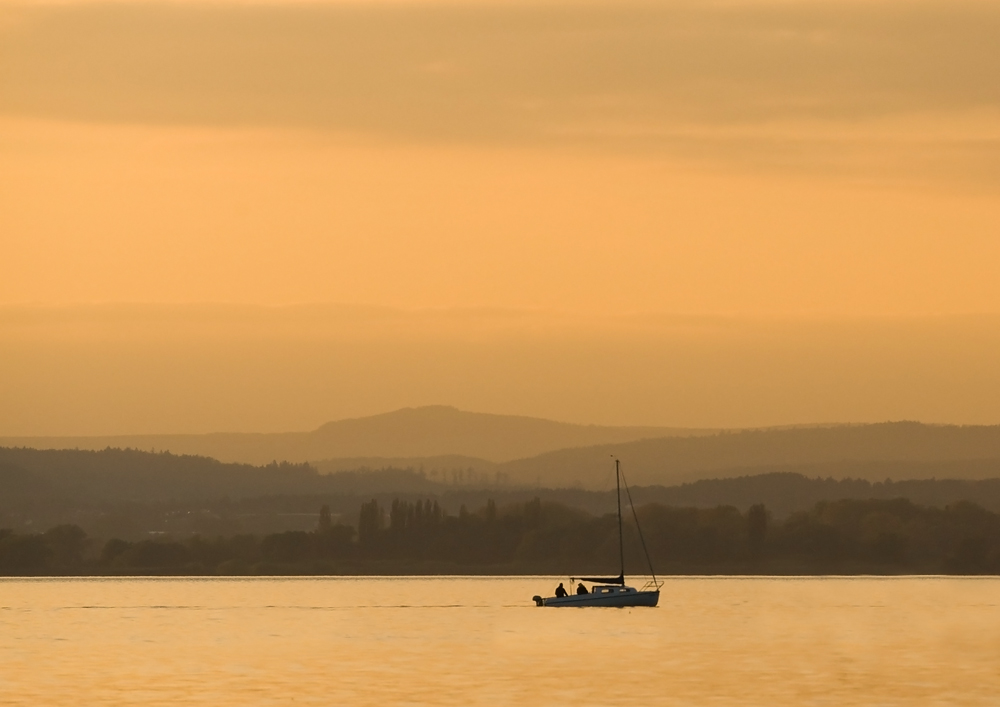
(612, 591)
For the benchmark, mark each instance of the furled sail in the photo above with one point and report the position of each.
(620, 579)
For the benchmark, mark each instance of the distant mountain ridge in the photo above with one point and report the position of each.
(429, 431)
(908, 450)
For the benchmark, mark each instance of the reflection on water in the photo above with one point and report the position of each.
(481, 641)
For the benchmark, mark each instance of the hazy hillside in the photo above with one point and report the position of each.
(898, 449)
(129, 494)
(411, 432)
(461, 448)
(786, 493)
(113, 474)
(449, 468)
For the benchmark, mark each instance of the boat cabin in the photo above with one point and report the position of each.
(611, 589)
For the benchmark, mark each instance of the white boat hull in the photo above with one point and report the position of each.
(604, 596)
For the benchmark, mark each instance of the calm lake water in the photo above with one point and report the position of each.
(481, 641)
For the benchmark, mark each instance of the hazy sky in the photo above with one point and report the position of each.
(197, 368)
(782, 166)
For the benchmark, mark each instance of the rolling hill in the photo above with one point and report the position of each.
(429, 431)
(907, 450)
(460, 448)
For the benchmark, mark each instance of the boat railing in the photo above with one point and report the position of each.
(652, 585)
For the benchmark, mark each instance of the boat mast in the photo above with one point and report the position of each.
(621, 542)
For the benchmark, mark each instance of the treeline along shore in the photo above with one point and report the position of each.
(543, 537)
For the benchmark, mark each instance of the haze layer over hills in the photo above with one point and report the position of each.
(460, 448)
(408, 433)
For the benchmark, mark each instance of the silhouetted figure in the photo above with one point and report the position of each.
(561, 591)
(580, 589)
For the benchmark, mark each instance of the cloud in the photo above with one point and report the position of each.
(623, 76)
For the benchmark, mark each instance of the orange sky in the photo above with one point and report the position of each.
(762, 160)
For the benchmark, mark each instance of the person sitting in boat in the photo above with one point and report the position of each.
(580, 589)
(561, 591)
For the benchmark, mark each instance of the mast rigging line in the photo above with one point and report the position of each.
(635, 517)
